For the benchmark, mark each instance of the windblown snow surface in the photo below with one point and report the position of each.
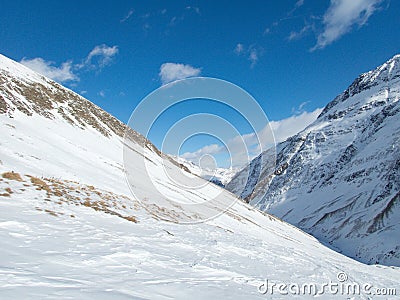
(71, 229)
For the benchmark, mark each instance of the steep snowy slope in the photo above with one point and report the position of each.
(339, 178)
(71, 229)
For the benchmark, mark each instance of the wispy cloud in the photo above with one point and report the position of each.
(300, 109)
(253, 57)
(252, 53)
(209, 149)
(296, 35)
(166, 17)
(289, 15)
(173, 21)
(127, 16)
(340, 18)
(255, 143)
(62, 73)
(173, 71)
(267, 31)
(195, 9)
(188, 12)
(239, 49)
(297, 5)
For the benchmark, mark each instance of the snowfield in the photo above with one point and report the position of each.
(71, 229)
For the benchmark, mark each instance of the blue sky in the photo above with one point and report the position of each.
(293, 56)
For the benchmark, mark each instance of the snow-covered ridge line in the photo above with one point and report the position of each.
(388, 71)
(29, 92)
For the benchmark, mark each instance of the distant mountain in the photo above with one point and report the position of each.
(339, 179)
(218, 176)
(70, 227)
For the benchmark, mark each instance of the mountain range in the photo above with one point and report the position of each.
(339, 178)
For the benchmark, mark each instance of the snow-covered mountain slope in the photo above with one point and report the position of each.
(219, 176)
(70, 227)
(339, 178)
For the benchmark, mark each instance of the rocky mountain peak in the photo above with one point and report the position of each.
(385, 75)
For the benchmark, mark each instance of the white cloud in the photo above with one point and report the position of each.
(299, 3)
(341, 16)
(281, 130)
(209, 149)
(61, 74)
(295, 35)
(239, 48)
(253, 57)
(274, 132)
(128, 15)
(290, 126)
(193, 8)
(102, 93)
(188, 12)
(173, 21)
(172, 71)
(242, 148)
(252, 53)
(100, 56)
(300, 109)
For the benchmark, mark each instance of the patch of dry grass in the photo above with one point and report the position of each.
(40, 185)
(74, 193)
(130, 219)
(53, 213)
(12, 176)
(8, 192)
